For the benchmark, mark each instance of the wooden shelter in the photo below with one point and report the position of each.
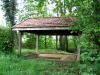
(47, 26)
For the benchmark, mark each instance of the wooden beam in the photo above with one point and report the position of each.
(43, 28)
(53, 32)
(37, 40)
(78, 48)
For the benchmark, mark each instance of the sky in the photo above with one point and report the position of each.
(20, 5)
(2, 18)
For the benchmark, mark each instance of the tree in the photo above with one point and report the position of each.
(9, 6)
(96, 17)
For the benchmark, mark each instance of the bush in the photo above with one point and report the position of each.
(6, 41)
(29, 42)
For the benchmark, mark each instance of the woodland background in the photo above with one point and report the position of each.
(86, 11)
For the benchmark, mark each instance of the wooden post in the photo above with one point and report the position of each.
(37, 38)
(19, 42)
(78, 48)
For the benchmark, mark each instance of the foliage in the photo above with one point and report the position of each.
(5, 40)
(50, 42)
(87, 13)
(9, 6)
(29, 42)
(12, 65)
(88, 26)
(87, 69)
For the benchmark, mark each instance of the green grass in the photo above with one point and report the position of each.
(12, 65)
(26, 51)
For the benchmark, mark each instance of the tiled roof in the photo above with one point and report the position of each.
(46, 22)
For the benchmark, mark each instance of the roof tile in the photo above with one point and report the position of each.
(46, 22)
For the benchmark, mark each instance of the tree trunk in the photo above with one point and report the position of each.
(66, 43)
(63, 43)
(45, 42)
(56, 42)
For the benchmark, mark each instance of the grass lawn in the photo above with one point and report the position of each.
(12, 65)
(25, 51)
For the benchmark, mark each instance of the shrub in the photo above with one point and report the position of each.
(6, 41)
(29, 42)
